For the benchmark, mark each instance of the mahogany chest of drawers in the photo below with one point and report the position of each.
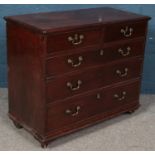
(69, 70)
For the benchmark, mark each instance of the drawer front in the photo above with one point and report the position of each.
(100, 101)
(74, 39)
(125, 31)
(66, 86)
(68, 63)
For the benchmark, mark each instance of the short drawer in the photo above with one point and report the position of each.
(81, 60)
(63, 87)
(73, 39)
(80, 108)
(124, 31)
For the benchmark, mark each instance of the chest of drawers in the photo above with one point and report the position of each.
(69, 70)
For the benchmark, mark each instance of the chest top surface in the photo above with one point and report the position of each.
(51, 21)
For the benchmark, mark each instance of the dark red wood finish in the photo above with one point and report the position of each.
(39, 46)
(51, 22)
(113, 32)
(92, 36)
(98, 77)
(96, 102)
(59, 64)
(26, 77)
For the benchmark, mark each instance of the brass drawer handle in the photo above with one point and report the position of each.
(72, 87)
(127, 32)
(124, 53)
(69, 112)
(125, 73)
(120, 98)
(70, 61)
(76, 39)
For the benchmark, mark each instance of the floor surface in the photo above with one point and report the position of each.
(125, 132)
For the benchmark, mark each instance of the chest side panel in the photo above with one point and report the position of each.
(25, 76)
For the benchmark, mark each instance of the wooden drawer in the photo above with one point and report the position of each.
(62, 87)
(81, 60)
(100, 101)
(73, 39)
(125, 31)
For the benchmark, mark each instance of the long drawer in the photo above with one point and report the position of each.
(62, 87)
(68, 63)
(100, 101)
